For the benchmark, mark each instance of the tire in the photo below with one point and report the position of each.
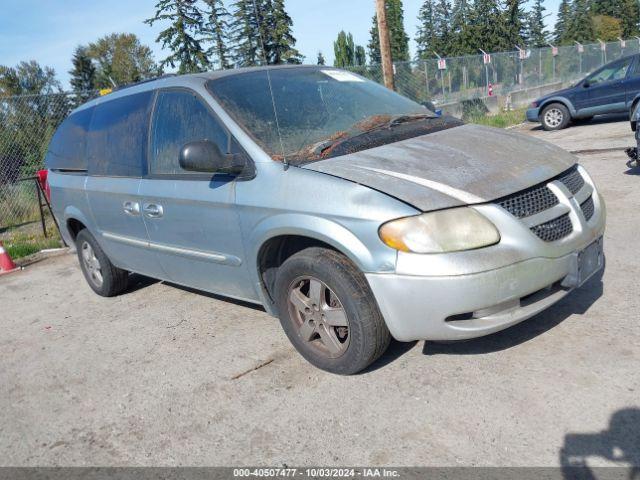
(344, 331)
(634, 116)
(102, 276)
(555, 117)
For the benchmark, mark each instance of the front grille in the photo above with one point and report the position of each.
(588, 208)
(572, 180)
(529, 202)
(555, 229)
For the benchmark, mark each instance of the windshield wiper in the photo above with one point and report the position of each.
(321, 147)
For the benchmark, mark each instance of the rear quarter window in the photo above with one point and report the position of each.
(67, 150)
(117, 139)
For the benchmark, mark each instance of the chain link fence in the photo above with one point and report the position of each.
(458, 79)
(27, 122)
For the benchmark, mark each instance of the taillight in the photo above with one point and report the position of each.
(44, 183)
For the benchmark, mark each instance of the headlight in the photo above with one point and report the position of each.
(443, 231)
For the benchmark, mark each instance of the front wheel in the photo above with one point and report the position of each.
(328, 311)
(555, 117)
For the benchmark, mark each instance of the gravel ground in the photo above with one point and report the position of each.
(167, 376)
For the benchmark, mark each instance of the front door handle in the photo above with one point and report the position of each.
(152, 210)
(131, 208)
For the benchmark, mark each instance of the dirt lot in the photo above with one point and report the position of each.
(166, 376)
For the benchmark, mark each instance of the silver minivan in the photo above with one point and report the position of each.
(347, 210)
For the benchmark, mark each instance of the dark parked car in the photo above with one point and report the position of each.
(614, 88)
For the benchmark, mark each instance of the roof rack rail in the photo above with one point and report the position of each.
(135, 84)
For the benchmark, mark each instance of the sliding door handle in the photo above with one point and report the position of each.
(153, 210)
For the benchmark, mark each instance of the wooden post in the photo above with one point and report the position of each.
(385, 45)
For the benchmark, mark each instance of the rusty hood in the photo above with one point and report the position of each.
(460, 166)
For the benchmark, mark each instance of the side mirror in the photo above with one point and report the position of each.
(586, 84)
(205, 156)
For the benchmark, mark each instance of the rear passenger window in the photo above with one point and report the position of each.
(117, 141)
(67, 147)
(181, 117)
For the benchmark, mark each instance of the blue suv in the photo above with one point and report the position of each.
(614, 88)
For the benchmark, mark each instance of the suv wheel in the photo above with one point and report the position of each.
(102, 276)
(329, 312)
(555, 117)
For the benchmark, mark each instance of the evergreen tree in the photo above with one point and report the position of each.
(563, 21)
(83, 75)
(280, 43)
(245, 33)
(630, 17)
(360, 56)
(426, 38)
(344, 50)
(580, 27)
(461, 17)
(216, 28)
(536, 33)
(485, 29)
(397, 34)
(179, 37)
(513, 25)
(442, 19)
(321, 60)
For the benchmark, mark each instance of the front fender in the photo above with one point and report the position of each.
(327, 231)
(563, 100)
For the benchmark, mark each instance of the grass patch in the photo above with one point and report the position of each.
(20, 244)
(502, 119)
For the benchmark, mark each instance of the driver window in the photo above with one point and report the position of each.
(616, 71)
(180, 117)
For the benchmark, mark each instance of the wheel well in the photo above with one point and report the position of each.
(275, 251)
(551, 102)
(74, 226)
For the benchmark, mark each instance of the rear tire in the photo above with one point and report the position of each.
(102, 276)
(555, 117)
(328, 311)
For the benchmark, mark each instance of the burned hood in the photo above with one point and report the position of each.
(459, 166)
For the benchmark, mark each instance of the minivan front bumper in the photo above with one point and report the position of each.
(469, 294)
(533, 115)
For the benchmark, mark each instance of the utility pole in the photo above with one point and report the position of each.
(385, 45)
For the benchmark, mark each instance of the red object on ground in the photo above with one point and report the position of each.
(490, 90)
(44, 184)
(6, 264)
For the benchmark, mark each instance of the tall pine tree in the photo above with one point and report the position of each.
(580, 26)
(513, 25)
(397, 33)
(180, 36)
(485, 29)
(426, 38)
(561, 32)
(442, 18)
(280, 43)
(536, 32)
(83, 75)
(245, 34)
(216, 28)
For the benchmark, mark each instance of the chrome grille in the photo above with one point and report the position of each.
(572, 180)
(529, 202)
(588, 208)
(555, 229)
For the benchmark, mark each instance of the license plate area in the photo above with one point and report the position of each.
(585, 264)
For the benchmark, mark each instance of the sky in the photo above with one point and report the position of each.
(49, 30)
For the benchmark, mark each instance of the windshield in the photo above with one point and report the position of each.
(311, 109)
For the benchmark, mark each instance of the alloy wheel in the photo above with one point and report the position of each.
(92, 264)
(319, 316)
(554, 117)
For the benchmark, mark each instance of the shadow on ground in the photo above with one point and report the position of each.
(577, 302)
(619, 444)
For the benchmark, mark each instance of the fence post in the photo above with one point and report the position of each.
(426, 77)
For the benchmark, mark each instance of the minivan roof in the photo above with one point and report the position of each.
(187, 80)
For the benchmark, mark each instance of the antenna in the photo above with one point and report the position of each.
(273, 99)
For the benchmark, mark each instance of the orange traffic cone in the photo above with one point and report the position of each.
(6, 264)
